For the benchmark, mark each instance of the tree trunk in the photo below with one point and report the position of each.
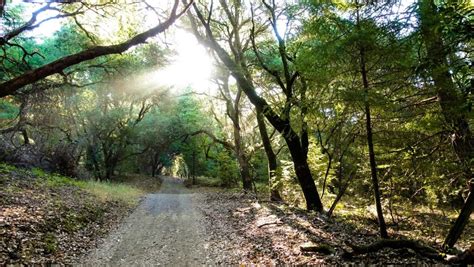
(271, 157)
(91, 153)
(453, 106)
(233, 111)
(154, 164)
(341, 192)
(193, 174)
(159, 169)
(303, 173)
(109, 171)
(240, 153)
(373, 171)
(110, 163)
(370, 143)
(245, 173)
(461, 222)
(26, 139)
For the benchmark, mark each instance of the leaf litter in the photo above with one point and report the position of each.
(44, 224)
(249, 232)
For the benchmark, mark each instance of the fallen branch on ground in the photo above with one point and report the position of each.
(269, 223)
(466, 257)
(422, 250)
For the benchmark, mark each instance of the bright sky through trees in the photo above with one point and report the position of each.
(190, 66)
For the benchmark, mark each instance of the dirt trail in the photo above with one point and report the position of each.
(166, 229)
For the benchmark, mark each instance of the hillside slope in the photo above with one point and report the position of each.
(47, 218)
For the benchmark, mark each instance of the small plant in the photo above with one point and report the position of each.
(55, 180)
(5, 168)
(39, 172)
(50, 243)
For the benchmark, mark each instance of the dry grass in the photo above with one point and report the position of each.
(107, 191)
(104, 191)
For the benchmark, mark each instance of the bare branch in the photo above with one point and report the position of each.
(24, 27)
(31, 24)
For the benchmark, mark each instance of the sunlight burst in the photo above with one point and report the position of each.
(190, 67)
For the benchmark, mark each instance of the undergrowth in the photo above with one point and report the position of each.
(206, 181)
(103, 190)
(107, 191)
(418, 222)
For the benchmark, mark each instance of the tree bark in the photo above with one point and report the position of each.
(110, 163)
(373, 163)
(303, 174)
(233, 111)
(26, 139)
(370, 142)
(271, 157)
(153, 172)
(453, 106)
(461, 222)
(242, 160)
(339, 195)
(373, 171)
(193, 172)
(245, 172)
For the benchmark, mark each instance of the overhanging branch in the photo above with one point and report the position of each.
(226, 144)
(11, 86)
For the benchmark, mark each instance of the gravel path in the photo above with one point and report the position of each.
(166, 229)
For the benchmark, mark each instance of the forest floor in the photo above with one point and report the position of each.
(47, 218)
(205, 226)
(252, 232)
(53, 219)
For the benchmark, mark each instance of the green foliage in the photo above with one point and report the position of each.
(4, 168)
(179, 168)
(290, 188)
(55, 180)
(8, 110)
(104, 191)
(207, 181)
(225, 168)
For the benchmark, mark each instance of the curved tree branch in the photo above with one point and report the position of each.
(214, 138)
(28, 25)
(11, 86)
